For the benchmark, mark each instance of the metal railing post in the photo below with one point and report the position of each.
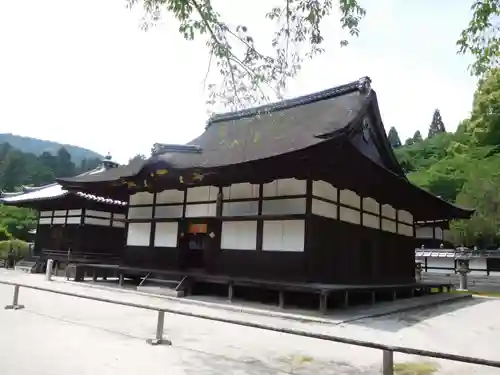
(159, 340)
(388, 362)
(15, 300)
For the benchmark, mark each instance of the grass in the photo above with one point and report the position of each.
(415, 368)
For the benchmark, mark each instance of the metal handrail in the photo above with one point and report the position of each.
(388, 350)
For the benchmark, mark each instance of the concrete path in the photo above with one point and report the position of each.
(59, 335)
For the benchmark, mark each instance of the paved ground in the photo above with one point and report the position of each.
(476, 283)
(56, 335)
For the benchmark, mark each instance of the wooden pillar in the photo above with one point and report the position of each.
(281, 299)
(346, 298)
(323, 302)
(230, 292)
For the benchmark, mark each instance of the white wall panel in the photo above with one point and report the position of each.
(289, 186)
(166, 234)
(388, 211)
(239, 235)
(74, 212)
(138, 234)
(325, 209)
(60, 212)
(247, 208)
(283, 235)
(350, 215)
(371, 205)
(170, 196)
(284, 206)
(97, 213)
(241, 191)
(350, 198)
(371, 221)
(141, 198)
(96, 221)
(59, 220)
(45, 213)
(166, 212)
(323, 189)
(117, 224)
(201, 210)
(202, 194)
(405, 217)
(424, 232)
(47, 220)
(119, 216)
(140, 212)
(405, 230)
(73, 220)
(389, 225)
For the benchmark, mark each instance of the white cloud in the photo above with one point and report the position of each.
(84, 73)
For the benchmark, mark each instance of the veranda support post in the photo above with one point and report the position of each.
(388, 362)
(15, 300)
(159, 340)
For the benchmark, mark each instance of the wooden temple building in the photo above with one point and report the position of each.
(73, 226)
(304, 191)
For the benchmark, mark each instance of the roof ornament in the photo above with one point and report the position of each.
(162, 148)
(108, 162)
(364, 85)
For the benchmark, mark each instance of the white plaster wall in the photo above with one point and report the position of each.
(201, 210)
(170, 196)
(283, 235)
(138, 234)
(166, 234)
(241, 191)
(371, 221)
(167, 212)
(97, 221)
(350, 215)
(350, 198)
(289, 186)
(141, 198)
(325, 209)
(239, 235)
(145, 212)
(202, 194)
(284, 206)
(246, 208)
(323, 189)
(388, 211)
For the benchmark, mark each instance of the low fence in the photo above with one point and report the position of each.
(387, 350)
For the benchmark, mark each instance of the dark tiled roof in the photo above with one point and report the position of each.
(262, 132)
(53, 191)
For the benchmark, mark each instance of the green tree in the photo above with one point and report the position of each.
(481, 37)
(437, 125)
(136, 158)
(417, 137)
(484, 124)
(252, 72)
(393, 137)
(64, 165)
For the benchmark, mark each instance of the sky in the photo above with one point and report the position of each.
(84, 73)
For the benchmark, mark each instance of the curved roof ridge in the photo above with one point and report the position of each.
(362, 84)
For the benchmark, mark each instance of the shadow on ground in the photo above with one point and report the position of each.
(397, 321)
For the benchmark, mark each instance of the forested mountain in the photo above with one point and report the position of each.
(462, 167)
(19, 169)
(39, 146)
